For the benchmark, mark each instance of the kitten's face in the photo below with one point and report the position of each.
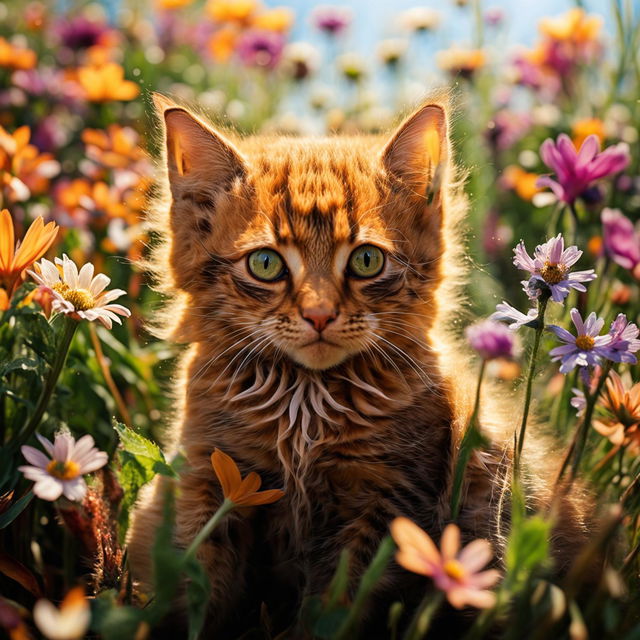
(315, 249)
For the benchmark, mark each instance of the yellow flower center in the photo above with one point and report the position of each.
(81, 299)
(585, 343)
(553, 273)
(63, 470)
(454, 570)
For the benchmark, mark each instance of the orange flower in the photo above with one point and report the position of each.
(242, 492)
(222, 43)
(168, 5)
(115, 148)
(622, 406)
(16, 57)
(581, 129)
(13, 262)
(4, 300)
(454, 571)
(69, 622)
(105, 82)
(239, 11)
(23, 169)
(278, 19)
(573, 26)
(521, 181)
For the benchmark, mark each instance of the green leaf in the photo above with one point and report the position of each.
(473, 439)
(340, 581)
(198, 593)
(527, 549)
(138, 445)
(15, 510)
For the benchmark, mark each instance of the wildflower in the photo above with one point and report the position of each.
(463, 62)
(260, 48)
(15, 260)
(391, 50)
(621, 240)
(582, 129)
(105, 82)
(491, 340)
(222, 43)
(624, 340)
(80, 294)
(170, 5)
(62, 472)
(14, 57)
(278, 19)
(238, 11)
(115, 148)
(550, 269)
(506, 128)
(621, 423)
(352, 66)
(4, 300)
(332, 20)
(585, 349)
(70, 622)
(514, 318)
(576, 170)
(454, 571)
(574, 25)
(301, 59)
(78, 32)
(420, 19)
(524, 183)
(579, 401)
(242, 492)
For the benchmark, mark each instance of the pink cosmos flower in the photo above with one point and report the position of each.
(454, 571)
(586, 349)
(576, 170)
(491, 340)
(550, 268)
(62, 472)
(621, 239)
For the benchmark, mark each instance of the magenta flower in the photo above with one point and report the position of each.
(332, 20)
(550, 269)
(576, 170)
(586, 349)
(258, 48)
(514, 318)
(621, 240)
(624, 340)
(491, 340)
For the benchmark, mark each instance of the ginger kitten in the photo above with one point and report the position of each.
(312, 280)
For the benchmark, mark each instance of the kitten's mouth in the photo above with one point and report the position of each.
(319, 354)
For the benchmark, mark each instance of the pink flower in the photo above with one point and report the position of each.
(331, 19)
(62, 472)
(454, 571)
(621, 240)
(576, 170)
(491, 340)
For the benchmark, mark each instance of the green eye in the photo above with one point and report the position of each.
(366, 261)
(265, 264)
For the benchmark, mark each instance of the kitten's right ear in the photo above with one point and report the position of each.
(198, 158)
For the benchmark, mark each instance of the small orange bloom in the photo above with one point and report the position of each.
(521, 181)
(115, 148)
(581, 129)
(239, 11)
(14, 261)
(222, 43)
(14, 57)
(574, 26)
(242, 492)
(278, 19)
(169, 5)
(106, 82)
(4, 300)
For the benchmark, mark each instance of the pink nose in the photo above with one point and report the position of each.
(319, 317)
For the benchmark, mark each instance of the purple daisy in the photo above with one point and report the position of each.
(550, 268)
(332, 20)
(576, 170)
(514, 318)
(491, 340)
(586, 349)
(624, 340)
(621, 240)
(260, 48)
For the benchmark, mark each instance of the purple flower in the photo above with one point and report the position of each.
(259, 48)
(80, 33)
(491, 340)
(586, 349)
(621, 240)
(331, 19)
(624, 340)
(576, 170)
(579, 401)
(514, 318)
(506, 128)
(550, 269)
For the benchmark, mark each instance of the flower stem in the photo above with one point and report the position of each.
(211, 524)
(68, 331)
(519, 441)
(424, 614)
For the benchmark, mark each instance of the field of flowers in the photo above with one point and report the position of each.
(548, 136)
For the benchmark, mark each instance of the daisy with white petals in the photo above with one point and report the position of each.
(69, 622)
(61, 472)
(80, 293)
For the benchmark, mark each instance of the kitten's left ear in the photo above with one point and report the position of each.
(417, 152)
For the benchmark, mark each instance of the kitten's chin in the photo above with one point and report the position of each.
(319, 355)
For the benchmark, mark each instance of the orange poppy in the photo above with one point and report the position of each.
(16, 57)
(243, 492)
(105, 82)
(14, 261)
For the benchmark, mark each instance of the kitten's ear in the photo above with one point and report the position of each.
(417, 151)
(198, 158)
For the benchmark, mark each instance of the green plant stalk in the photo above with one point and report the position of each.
(464, 453)
(424, 615)
(212, 523)
(68, 331)
(519, 443)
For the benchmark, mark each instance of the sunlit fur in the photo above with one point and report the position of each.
(359, 428)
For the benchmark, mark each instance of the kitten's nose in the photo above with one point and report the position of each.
(319, 317)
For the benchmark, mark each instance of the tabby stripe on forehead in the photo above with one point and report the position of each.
(251, 290)
(349, 202)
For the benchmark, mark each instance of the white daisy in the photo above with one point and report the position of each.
(80, 294)
(70, 622)
(62, 472)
